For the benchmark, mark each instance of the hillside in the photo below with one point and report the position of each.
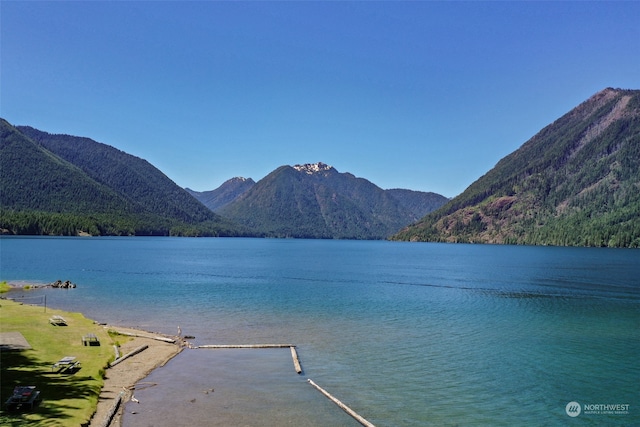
(28, 168)
(317, 201)
(223, 195)
(574, 183)
(61, 184)
(419, 203)
(132, 177)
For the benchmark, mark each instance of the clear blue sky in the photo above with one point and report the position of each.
(420, 95)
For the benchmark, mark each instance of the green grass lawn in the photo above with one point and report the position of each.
(68, 399)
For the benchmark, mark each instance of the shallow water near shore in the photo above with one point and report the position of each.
(405, 334)
(273, 393)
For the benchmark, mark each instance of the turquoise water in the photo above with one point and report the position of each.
(406, 334)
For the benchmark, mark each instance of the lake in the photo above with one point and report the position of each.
(406, 334)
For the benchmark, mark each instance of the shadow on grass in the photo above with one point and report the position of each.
(18, 368)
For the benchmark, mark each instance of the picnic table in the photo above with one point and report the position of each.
(90, 339)
(26, 396)
(67, 363)
(57, 321)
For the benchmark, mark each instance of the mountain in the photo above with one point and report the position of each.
(317, 201)
(62, 184)
(419, 203)
(35, 179)
(69, 185)
(574, 183)
(223, 195)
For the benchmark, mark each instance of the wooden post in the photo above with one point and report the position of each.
(344, 407)
(296, 362)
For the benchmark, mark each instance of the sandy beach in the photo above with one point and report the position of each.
(122, 377)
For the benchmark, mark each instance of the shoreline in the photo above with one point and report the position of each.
(139, 353)
(119, 379)
(122, 378)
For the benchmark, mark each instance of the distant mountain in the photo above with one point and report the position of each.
(69, 185)
(317, 201)
(574, 183)
(62, 184)
(223, 195)
(419, 203)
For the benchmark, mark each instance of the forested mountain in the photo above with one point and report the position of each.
(223, 195)
(69, 185)
(317, 201)
(576, 182)
(66, 185)
(132, 177)
(35, 179)
(419, 203)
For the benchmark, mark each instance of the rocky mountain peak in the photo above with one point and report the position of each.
(238, 179)
(311, 168)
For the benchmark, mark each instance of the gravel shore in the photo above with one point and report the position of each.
(122, 377)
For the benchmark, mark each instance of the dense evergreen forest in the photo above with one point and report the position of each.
(63, 185)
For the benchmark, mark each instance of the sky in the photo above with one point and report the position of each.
(426, 96)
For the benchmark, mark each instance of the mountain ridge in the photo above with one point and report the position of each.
(314, 200)
(134, 178)
(223, 195)
(573, 183)
(66, 185)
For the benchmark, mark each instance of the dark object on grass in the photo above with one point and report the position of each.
(24, 397)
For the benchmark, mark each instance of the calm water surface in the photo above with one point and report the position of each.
(406, 334)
